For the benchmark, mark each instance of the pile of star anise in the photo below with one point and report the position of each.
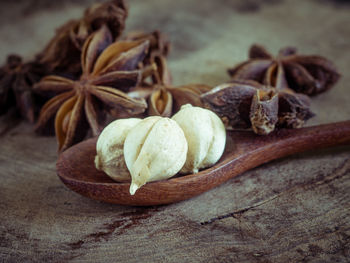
(90, 74)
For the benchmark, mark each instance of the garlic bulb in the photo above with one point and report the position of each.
(205, 134)
(109, 149)
(154, 149)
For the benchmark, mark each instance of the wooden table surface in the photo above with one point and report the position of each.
(296, 209)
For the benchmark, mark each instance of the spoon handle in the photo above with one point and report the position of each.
(287, 142)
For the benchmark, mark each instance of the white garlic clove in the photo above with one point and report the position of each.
(155, 149)
(110, 148)
(205, 134)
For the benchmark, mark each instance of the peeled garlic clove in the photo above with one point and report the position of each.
(205, 134)
(110, 147)
(154, 149)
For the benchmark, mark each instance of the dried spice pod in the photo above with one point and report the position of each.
(232, 102)
(62, 53)
(159, 44)
(244, 104)
(156, 61)
(264, 111)
(161, 75)
(163, 98)
(165, 101)
(309, 75)
(108, 70)
(16, 80)
(188, 94)
(160, 102)
(111, 13)
(294, 110)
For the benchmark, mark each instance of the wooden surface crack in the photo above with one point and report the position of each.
(239, 211)
(124, 222)
(337, 173)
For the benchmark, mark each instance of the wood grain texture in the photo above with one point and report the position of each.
(244, 151)
(294, 209)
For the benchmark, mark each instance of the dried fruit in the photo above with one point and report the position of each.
(110, 149)
(263, 113)
(16, 80)
(244, 104)
(205, 134)
(108, 70)
(164, 99)
(159, 45)
(62, 53)
(309, 75)
(154, 149)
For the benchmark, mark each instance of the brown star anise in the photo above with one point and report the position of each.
(164, 99)
(310, 75)
(243, 104)
(16, 80)
(62, 54)
(159, 49)
(159, 43)
(108, 70)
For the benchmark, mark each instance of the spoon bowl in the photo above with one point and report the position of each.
(244, 150)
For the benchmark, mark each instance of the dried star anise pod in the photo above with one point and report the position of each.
(164, 99)
(112, 14)
(62, 54)
(108, 70)
(243, 104)
(16, 80)
(159, 49)
(159, 43)
(309, 75)
(167, 100)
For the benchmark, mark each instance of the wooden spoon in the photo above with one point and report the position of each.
(244, 151)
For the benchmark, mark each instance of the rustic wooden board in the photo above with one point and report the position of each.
(291, 210)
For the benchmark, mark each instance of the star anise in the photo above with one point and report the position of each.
(309, 75)
(159, 43)
(16, 80)
(108, 70)
(158, 51)
(243, 104)
(62, 54)
(163, 98)
(167, 100)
